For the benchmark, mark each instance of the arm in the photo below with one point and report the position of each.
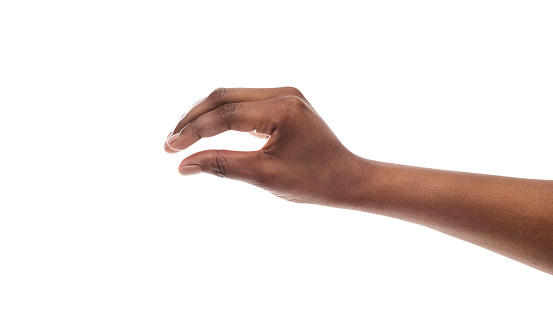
(303, 161)
(510, 216)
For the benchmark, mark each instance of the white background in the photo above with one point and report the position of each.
(94, 215)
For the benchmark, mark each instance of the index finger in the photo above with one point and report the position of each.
(223, 96)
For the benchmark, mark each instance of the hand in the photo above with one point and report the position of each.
(302, 161)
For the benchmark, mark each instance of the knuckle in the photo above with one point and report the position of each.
(293, 103)
(290, 108)
(218, 94)
(226, 111)
(290, 90)
(220, 166)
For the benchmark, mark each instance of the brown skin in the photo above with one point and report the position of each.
(303, 161)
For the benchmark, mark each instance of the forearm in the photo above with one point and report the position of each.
(511, 216)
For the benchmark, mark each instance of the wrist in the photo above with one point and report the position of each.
(360, 182)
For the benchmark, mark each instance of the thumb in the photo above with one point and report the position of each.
(237, 165)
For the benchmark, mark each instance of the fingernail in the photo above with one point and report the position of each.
(256, 134)
(190, 170)
(171, 139)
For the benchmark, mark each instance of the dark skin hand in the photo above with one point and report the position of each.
(303, 161)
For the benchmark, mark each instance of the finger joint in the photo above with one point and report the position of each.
(290, 90)
(226, 112)
(293, 103)
(218, 95)
(220, 166)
